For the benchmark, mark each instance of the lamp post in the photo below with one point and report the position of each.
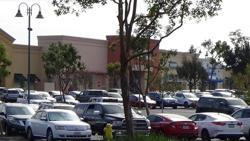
(39, 16)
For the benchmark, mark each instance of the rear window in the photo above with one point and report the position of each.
(236, 102)
(96, 93)
(206, 102)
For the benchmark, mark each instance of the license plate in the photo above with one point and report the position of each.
(231, 125)
(185, 127)
(77, 133)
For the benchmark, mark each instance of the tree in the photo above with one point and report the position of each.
(4, 63)
(62, 62)
(237, 57)
(134, 26)
(214, 59)
(192, 70)
(113, 72)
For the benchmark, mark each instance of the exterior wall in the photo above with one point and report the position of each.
(20, 63)
(92, 51)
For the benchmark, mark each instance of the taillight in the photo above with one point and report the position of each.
(239, 123)
(219, 123)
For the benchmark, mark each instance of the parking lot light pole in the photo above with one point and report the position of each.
(39, 16)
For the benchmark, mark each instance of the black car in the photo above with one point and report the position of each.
(100, 113)
(85, 95)
(12, 95)
(13, 116)
(226, 105)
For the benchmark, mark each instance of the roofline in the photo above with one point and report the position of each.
(7, 35)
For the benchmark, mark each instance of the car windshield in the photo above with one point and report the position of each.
(190, 95)
(114, 109)
(13, 92)
(236, 102)
(19, 110)
(63, 116)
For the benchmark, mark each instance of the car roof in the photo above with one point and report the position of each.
(173, 117)
(216, 115)
(15, 104)
(56, 110)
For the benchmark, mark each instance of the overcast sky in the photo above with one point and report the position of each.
(101, 21)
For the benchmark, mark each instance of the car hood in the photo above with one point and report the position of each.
(21, 116)
(122, 116)
(69, 123)
(39, 100)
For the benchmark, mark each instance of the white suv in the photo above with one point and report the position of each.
(186, 99)
(57, 124)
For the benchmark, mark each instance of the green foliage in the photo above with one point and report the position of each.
(237, 57)
(4, 63)
(113, 72)
(242, 81)
(192, 71)
(61, 62)
(151, 137)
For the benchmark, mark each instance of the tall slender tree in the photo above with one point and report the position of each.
(134, 26)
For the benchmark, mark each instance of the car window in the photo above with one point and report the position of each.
(80, 108)
(19, 110)
(238, 114)
(193, 117)
(206, 102)
(151, 118)
(90, 110)
(179, 95)
(200, 117)
(158, 119)
(246, 113)
(62, 116)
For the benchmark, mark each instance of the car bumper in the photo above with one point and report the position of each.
(17, 128)
(72, 135)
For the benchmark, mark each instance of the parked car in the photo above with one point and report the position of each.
(98, 114)
(103, 99)
(74, 93)
(12, 95)
(115, 95)
(68, 99)
(136, 100)
(13, 117)
(87, 94)
(223, 94)
(217, 125)
(173, 125)
(55, 93)
(54, 124)
(56, 106)
(47, 96)
(163, 100)
(226, 105)
(186, 99)
(3, 91)
(200, 94)
(116, 90)
(243, 115)
(35, 98)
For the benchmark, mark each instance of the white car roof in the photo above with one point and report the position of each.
(218, 116)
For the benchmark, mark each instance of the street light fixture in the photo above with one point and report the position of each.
(39, 16)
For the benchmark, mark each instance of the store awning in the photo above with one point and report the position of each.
(19, 77)
(34, 78)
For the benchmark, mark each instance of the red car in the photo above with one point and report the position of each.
(173, 125)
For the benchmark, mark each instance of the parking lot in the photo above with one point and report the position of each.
(180, 111)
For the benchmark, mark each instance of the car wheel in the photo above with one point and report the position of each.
(7, 130)
(186, 105)
(50, 135)
(205, 135)
(30, 135)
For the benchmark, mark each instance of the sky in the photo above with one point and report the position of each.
(101, 21)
